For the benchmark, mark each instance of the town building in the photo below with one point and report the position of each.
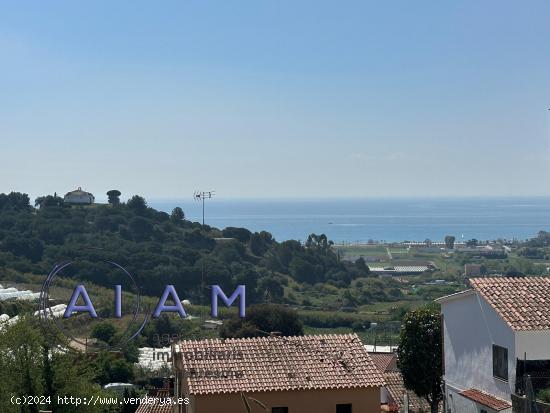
(392, 394)
(401, 270)
(156, 400)
(317, 373)
(79, 197)
(494, 336)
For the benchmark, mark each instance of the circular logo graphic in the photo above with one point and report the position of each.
(89, 316)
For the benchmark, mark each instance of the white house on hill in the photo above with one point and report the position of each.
(79, 197)
(494, 334)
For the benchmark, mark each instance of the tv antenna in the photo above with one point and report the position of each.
(201, 196)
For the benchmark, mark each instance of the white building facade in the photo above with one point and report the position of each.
(488, 331)
(79, 197)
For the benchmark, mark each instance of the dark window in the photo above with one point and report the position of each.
(343, 408)
(279, 410)
(500, 362)
(483, 411)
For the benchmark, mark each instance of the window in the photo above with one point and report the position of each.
(500, 362)
(343, 408)
(279, 410)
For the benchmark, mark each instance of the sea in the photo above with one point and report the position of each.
(383, 220)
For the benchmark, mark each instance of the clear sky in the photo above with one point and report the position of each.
(276, 98)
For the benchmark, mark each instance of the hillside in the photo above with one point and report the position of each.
(159, 249)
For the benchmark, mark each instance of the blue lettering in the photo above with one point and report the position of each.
(240, 291)
(80, 290)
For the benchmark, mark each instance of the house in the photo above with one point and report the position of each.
(156, 400)
(318, 373)
(393, 392)
(494, 335)
(79, 197)
(156, 406)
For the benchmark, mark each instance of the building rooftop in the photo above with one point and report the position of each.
(371, 348)
(396, 389)
(78, 191)
(276, 364)
(387, 365)
(384, 361)
(156, 402)
(486, 399)
(155, 408)
(523, 302)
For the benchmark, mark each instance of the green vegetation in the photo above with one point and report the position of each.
(420, 351)
(159, 249)
(28, 367)
(263, 320)
(331, 287)
(114, 196)
(544, 395)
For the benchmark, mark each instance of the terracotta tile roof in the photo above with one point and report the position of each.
(486, 399)
(155, 408)
(522, 302)
(276, 364)
(384, 361)
(396, 389)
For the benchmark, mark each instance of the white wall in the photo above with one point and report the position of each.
(79, 199)
(536, 344)
(471, 327)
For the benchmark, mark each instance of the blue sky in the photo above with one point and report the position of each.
(276, 99)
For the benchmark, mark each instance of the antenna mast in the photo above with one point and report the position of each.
(201, 196)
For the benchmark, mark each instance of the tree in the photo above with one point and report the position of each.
(271, 287)
(104, 331)
(177, 214)
(48, 201)
(14, 200)
(420, 355)
(302, 270)
(28, 367)
(362, 265)
(140, 228)
(319, 243)
(21, 363)
(241, 234)
(258, 245)
(137, 203)
(450, 241)
(32, 248)
(114, 196)
(111, 369)
(47, 372)
(262, 319)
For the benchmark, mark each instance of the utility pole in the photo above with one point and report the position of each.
(201, 196)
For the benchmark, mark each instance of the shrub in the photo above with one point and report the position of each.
(544, 395)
